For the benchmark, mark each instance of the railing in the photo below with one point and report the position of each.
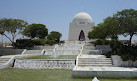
(23, 51)
(79, 56)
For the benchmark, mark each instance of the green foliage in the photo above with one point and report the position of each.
(98, 32)
(48, 75)
(23, 43)
(54, 35)
(39, 41)
(49, 57)
(101, 42)
(62, 42)
(98, 42)
(108, 54)
(51, 42)
(123, 22)
(12, 26)
(128, 53)
(127, 22)
(36, 31)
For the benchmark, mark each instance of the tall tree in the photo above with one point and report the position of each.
(11, 26)
(128, 22)
(98, 32)
(36, 31)
(112, 28)
(54, 35)
(109, 28)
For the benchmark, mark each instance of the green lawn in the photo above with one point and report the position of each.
(45, 75)
(58, 57)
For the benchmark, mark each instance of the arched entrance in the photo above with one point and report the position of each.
(81, 36)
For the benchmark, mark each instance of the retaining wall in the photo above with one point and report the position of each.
(44, 64)
(118, 62)
(11, 51)
(11, 61)
(104, 48)
(104, 74)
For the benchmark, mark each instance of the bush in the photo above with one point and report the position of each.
(50, 42)
(108, 54)
(101, 42)
(39, 41)
(62, 42)
(98, 42)
(23, 43)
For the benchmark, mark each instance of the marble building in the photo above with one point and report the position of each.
(80, 26)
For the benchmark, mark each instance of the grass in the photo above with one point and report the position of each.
(45, 75)
(58, 57)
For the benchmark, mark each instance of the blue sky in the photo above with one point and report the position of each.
(57, 14)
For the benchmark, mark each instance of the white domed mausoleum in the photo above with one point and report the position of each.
(80, 26)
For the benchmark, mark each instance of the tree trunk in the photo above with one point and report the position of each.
(130, 39)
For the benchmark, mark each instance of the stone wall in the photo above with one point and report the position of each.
(11, 51)
(63, 52)
(44, 64)
(104, 48)
(110, 74)
(118, 62)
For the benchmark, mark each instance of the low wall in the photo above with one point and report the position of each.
(68, 52)
(104, 48)
(11, 61)
(63, 52)
(44, 64)
(104, 74)
(11, 51)
(117, 62)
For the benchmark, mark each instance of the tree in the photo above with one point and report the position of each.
(128, 22)
(112, 28)
(125, 23)
(107, 29)
(98, 32)
(54, 35)
(36, 31)
(11, 26)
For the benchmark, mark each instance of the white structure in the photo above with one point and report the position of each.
(80, 26)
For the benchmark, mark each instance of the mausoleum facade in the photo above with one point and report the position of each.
(80, 26)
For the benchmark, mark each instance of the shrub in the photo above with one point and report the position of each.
(62, 42)
(98, 42)
(23, 43)
(108, 54)
(39, 41)
(50, 42)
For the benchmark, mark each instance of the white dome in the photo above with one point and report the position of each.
(82, 16)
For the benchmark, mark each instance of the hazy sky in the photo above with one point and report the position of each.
(57, 14)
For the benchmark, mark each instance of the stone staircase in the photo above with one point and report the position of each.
(49, 47)
(89, 49)
(33, 52)
(92, 57)
(91, 52)
(4, 60)
(94, 60)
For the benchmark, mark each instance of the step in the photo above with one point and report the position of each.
(95, 61)
(94, 64)
(33, 51)
(94, 58)
(92, 51)
(87, 47)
